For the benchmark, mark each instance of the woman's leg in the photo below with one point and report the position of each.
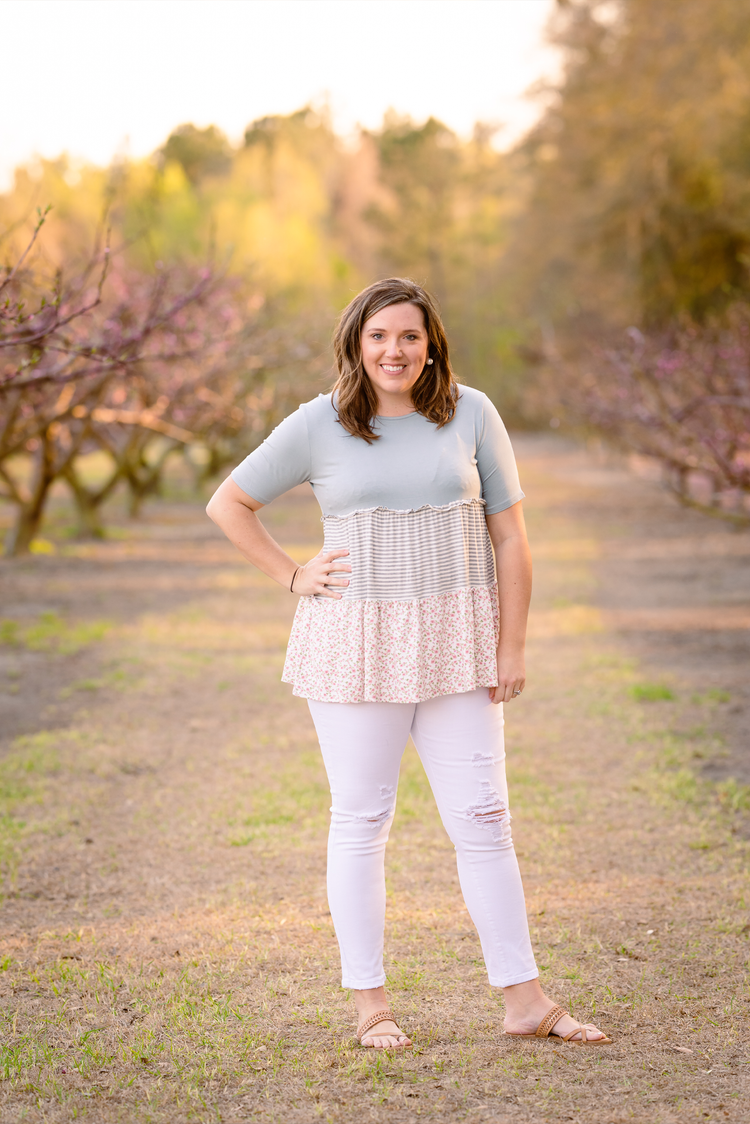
(362, 745)
(460, 741)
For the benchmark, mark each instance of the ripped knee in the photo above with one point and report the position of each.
(490, 813)
(377, 817)
(479, 760)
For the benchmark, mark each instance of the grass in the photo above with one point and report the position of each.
(115, 677)
(169, 1031)
(651, 692)
(50, 633)
(168, 954)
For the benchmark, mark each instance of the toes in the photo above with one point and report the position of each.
(593, 1034)
(387, 1041)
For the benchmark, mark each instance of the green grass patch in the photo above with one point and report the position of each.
(733, 796)
(708, 697)
(27, 773)
(415, 799)
(50, 633)
(117, 678)
(651, 692)
(297, 799)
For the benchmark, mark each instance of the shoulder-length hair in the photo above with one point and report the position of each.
(435, 392)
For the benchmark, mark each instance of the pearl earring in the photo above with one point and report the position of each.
(429, 362)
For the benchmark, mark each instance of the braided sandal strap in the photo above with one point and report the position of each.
(378, 1017)
(548, 1022)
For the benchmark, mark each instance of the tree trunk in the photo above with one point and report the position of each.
(138, 494)
(88, 504)
(90, 525)
(680, 481)
(31, 513)
(144, 479)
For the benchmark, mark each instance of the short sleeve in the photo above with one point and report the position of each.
(280, 463)
(496, 462)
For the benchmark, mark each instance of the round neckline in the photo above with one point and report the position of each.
(396, 417)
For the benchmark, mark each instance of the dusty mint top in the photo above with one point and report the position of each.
(414, 463)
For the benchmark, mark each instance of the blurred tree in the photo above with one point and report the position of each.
(199, 152)
(420, 166)
(306, 221)
(638, 195)
(441, 211)
(137, 365)
(638, 212)
(681, 395)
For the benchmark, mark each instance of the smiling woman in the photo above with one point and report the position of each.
(392, 358)
(408, 624)
(394, 355)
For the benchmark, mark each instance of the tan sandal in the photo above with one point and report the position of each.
(551, 1019)
(380, 1017)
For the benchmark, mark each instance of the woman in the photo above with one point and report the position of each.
(405, 626)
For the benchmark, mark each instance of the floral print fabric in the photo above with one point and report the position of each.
(393, 651)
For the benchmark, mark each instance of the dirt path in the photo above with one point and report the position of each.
(167, 951)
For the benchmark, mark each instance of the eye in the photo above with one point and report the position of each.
(411, 336)
(377, 335)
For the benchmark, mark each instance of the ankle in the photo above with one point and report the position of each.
(524, 997)
(369, 998)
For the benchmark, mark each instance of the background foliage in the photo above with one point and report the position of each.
(626, 207)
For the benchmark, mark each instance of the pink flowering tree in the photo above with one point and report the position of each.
(681, 396)
(139, 366)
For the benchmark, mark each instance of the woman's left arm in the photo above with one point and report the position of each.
(513, 564)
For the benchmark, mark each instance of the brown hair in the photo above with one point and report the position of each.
(435, 392)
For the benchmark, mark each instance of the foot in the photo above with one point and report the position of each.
(383, 1035)
(526, 1006)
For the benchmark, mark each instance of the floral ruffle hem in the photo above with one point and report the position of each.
(402, 651)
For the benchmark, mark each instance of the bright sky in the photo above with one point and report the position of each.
(97, 77)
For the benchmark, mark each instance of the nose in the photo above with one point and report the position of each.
(394, 349)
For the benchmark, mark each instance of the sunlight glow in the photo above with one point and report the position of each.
(95, 79)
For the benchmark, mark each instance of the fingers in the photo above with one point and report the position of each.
(507, 691)
(332, 555)
(315, 579)
(327, 583)
(323, 586)
(326, 589)
(514, 690)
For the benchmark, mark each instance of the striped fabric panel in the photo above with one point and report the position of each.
(400, 555)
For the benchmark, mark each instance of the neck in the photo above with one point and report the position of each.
(395, 406)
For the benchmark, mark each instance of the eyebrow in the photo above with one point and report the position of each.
(376, 329)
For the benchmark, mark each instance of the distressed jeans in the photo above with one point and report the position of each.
(459, 739)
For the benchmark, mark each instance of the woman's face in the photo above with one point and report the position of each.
(394, 350)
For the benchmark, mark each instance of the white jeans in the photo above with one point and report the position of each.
(459, 739)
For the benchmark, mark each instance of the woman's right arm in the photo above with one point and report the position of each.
(234, 512)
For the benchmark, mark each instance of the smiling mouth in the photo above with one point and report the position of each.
(389, 370)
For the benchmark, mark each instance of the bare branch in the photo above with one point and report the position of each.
(40, 223)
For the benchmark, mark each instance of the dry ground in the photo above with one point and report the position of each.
(167, 953)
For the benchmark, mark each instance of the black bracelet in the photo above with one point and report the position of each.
(294, 575)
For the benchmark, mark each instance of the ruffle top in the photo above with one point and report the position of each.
(419, 617)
